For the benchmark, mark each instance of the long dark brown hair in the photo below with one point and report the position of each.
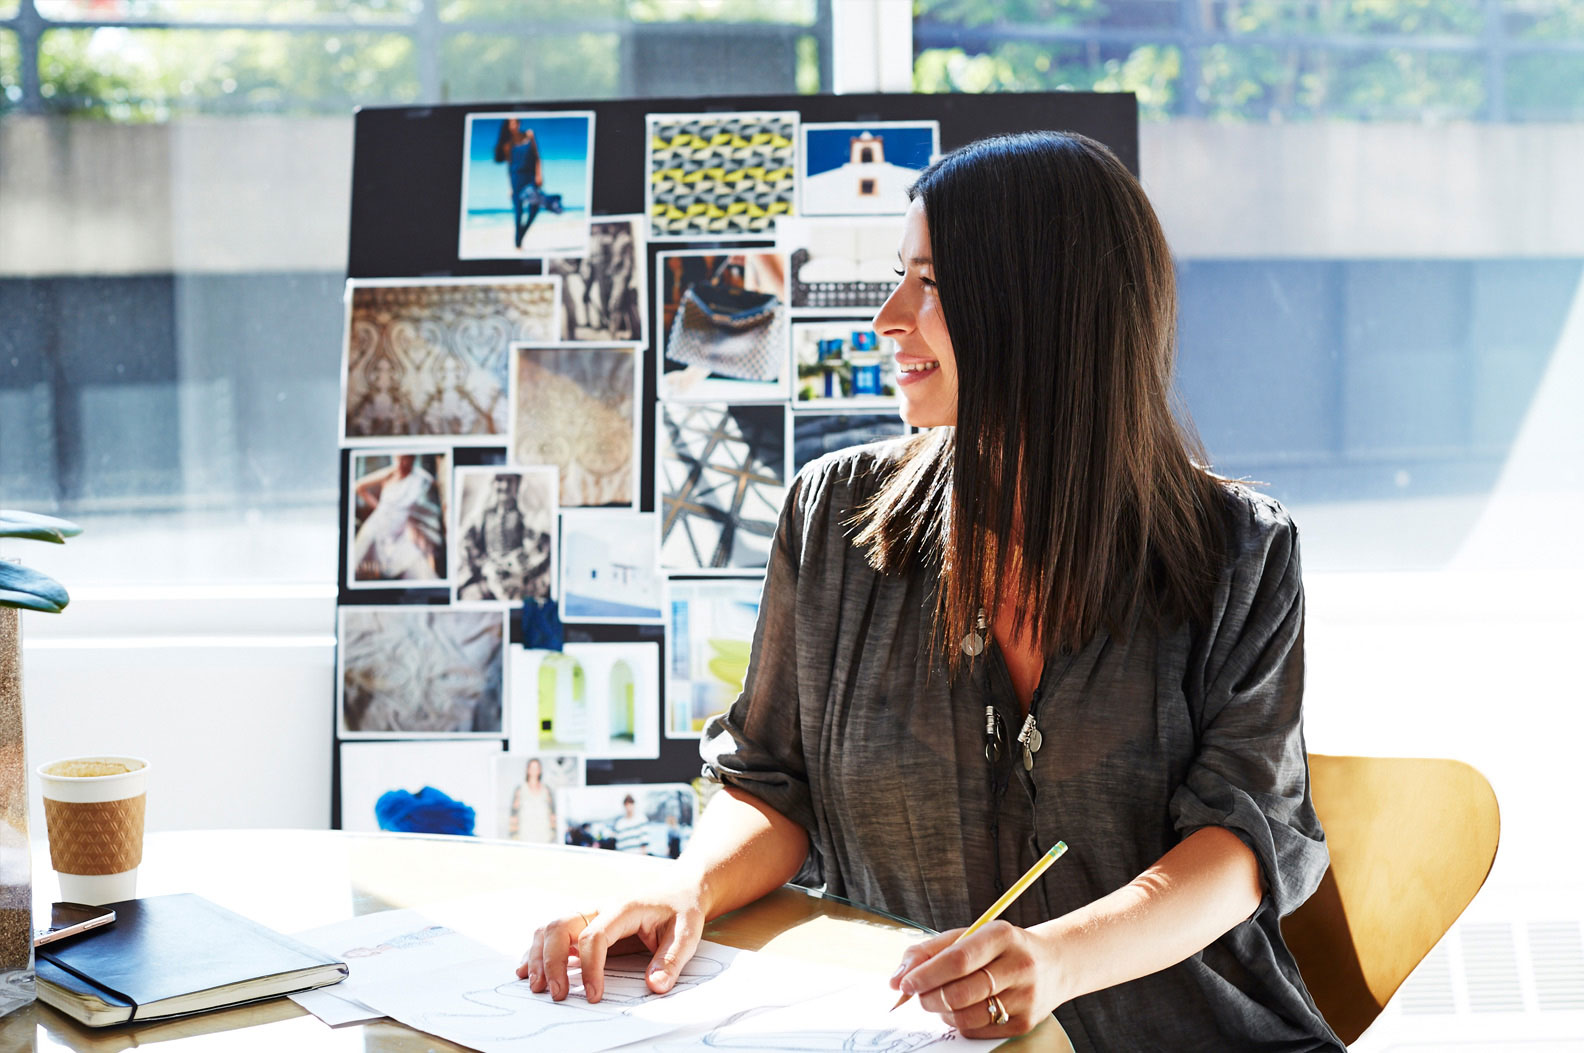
(1068, 477)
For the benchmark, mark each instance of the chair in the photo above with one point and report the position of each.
(1411, 843)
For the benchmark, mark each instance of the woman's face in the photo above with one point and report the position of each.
(926, 367)
(534, 771)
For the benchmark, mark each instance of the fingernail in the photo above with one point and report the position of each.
(900, 970)
(907, 987)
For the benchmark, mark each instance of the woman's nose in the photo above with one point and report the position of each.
(894, 317)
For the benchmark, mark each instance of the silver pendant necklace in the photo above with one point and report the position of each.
(1030, 739)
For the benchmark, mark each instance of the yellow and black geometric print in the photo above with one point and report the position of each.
(720, 175)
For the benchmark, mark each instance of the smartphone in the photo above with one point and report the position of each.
(68, 919)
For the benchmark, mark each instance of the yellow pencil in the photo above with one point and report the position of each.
(1018, 888)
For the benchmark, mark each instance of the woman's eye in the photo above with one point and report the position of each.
(927, 281)
(899, 272)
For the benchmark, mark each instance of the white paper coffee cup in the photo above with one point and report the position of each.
(93, 807)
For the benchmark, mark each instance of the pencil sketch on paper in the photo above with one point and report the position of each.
(511, 1012)
(835, 1040)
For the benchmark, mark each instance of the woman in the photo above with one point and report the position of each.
(400, 537)
(1040, 620)
(518, 149)
(532, 807)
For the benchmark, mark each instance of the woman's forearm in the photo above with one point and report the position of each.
(740, 850)
(1193, 895)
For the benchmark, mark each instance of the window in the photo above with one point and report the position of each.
(175, 205)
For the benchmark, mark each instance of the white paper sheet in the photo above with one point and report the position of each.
(379, 947)
(855, 1016)
(480, 1005)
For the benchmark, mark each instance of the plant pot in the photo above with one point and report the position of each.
(16, 864)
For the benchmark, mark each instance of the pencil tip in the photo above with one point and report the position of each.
(900, 1002)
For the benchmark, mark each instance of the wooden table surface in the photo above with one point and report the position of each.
(292, 880)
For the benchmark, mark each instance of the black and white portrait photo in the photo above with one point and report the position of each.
(602, 293)
(504, 537)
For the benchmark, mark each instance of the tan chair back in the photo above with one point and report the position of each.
(1411, 843)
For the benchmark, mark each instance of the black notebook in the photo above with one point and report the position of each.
(171, 955)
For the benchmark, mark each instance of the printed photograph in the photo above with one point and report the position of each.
(398, 519)
(525, 788)
(722, 479)
(504, 537)
(723, 327)
(603, 291)
(419, 787)
(709, 636)
(527, 180)
(576, 409)
(420, 672)
(840, 266)
(816, 434)
(864, 169)
(842, 364)
(608, 570)
(720, 175)
(589, 699)
(431, 358)
(646, 819)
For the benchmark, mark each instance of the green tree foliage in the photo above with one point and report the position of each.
(150, 74)
(1268, 60)
(10, 70)
(548, 66)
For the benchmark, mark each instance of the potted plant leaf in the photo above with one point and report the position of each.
(20, 589)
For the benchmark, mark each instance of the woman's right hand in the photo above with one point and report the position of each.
(668, 925)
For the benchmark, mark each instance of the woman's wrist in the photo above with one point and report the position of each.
(1061, 971)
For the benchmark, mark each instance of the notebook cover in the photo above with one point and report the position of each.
(167, 947)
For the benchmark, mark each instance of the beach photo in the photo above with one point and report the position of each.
(527, 181)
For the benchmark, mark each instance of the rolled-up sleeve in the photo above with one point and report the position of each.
(757, 744)
(1251, 772)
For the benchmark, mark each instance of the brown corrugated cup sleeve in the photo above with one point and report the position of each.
(101, 838)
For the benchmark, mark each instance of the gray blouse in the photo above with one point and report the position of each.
(847, 726)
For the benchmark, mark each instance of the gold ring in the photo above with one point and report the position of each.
(587, 921)
(998, 1013)
(986, 970)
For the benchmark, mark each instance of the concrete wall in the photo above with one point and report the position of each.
(266, 194)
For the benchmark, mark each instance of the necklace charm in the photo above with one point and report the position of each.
(973, 644)
(992, 736)
(1030, 739)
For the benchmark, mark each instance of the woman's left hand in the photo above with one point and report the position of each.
(1018, 967)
